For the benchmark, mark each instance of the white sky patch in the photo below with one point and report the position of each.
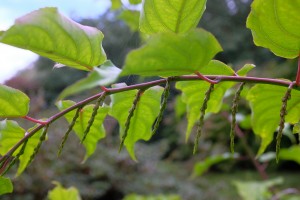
(13, 59)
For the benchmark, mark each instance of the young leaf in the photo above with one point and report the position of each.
(275, 25)
(52, 35)
(143, 117)
(6, 185)
(265, 102)
(203, 166)
(14, 103)
(61, 193)
(105, 75)
(96, 132)
(170, 54)
(291, 153)
(180, 16)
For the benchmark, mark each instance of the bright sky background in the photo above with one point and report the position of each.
(13, 59)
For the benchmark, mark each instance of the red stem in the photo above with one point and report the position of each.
(205, 78)
(144, 86)
(298, 73)
(35, 120)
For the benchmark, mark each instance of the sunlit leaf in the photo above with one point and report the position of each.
(203, 166)
(61, 193)
(245, 69)
(143, 117)
(275, 24)
(102, 76)
(179, 16)
(6, 185)
(10, 134)
(131, 17)
(291, 153)
(256, 190)
(170, 54)
(14, 103)
(116, 4)
(134, 2)
(152, 197)
(50, 34)
(97, 130)
(265, 102)
(193, 93)
(180, 107)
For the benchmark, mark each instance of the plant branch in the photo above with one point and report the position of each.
(143, 86)
(298, 73)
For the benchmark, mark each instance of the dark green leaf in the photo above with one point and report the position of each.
(97, 130)
(170, 54)
(180, 16)
(61, 193)
(203, 166)
(6, 185)
(143, 117)
(50, 34)
(276, 25)
(265, 102)
(105, 75)
(14, 103)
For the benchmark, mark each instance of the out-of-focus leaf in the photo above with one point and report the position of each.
(170, 54)
(105, 75)
(256, 190)
(14, 103)
(157, 197)
(291, 153)
(6, 185)
(97, 130)
(296, 128)
(276, 25)
(115, 4)
(61, 193)
(193, 93)
(265, 102)
(267, 157)
(203, 166)
(52, 35)
(134, 2)
(10, 134)
(143, 118)
(131, 17)
(245, 123)
(180, 107)
(180, 16)
(245, 69)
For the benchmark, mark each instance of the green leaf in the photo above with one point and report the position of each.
(276, 25)
(179, 16)
(61, 193)
(135, 2)
(97, 130)
(291, 153)
(156, 197)
(245, 69)
(10, 134)
(131, 17)
(105, 75)
(170, 54)
(52, 35)
(193, 93)
(256, 190)
(14, 103)
(116, 4)
(180, 107)
(143, 118)
(265, 102)
(203, 166)
(6, 185)
(296, 128)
